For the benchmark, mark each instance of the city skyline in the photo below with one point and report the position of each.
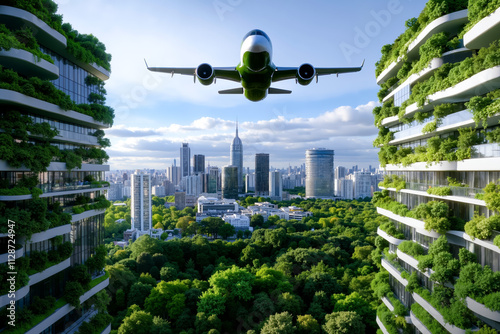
(155, 114)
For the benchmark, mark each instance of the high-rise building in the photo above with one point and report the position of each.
(193, 184)
(230, 182)
(262, 174)
(249, 182)
(236, 158)
(198, 164)
(340, 172)
(439, 146)
(362, 184)
(185, 153)
(275, 185)
(47, 94)
(174, 174)
(319, 173)
(212, 181)
(141, 201)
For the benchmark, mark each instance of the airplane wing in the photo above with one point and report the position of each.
(285, 73)
(226, 73)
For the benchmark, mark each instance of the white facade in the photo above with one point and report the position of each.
(250, 182)
(192, 184)
(240, 222)
(141, 201)
(346, 188)
(159, 191)
(362, 184)
(275, 185)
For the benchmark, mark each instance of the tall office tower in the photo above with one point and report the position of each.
(362, 184)
(249, 182)
(212, 181)
(141, 201)
(440, 137)
(193, 184)
(185, 153)
(125, 176)
(230, 182)
(46, 98)
(174, 174)
(345, 188)
(319, 173)
(275, 185)
(236, 158)
(262, 174)
(340, 172)
(198, 164)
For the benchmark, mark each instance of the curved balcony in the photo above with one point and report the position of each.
(25, 63)
(450, 23)
(381, 325)
(468, 165)
(417, 224)
(21, 293)
(40, 107)
(482, 310)
(17, 254)
(38, 277)
(56, 167)
(87, 214)
(394, 272)
(417, 323)
(483, 243)
(390, 71)
(63, 190)
(45, 35)
(389, 238)
(436, 315)
(484, 32)
(107, 330)
(51, 233)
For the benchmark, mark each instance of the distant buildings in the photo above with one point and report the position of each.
(141, 201)
(275, 185)
(250, 182)
(262, 174)
(236, 158)
(174, 174)
(198, 164)
(319, 173)
(362, 184)
(211, 182)
(185, 154)
(240, 222)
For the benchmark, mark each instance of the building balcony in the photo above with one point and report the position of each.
(62, 311)
(40, 107)
(45, 35)
(381, 325)
(417, 323)
(468, 165)
(49, 191)
(20, 294)
(17, 254)
(25, 63)
(450, 23)
(479, 84)
(38, 277)
(50, 233)
(483, 311)
(436, 315)
(56, 167)
(394, 272)
(410, 260)
(458, 194)
(389, 238)
(484, 32)
(415, 223)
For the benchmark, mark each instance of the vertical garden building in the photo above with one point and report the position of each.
(439, 140)
(52, 116)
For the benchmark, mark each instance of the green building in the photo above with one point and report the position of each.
(52, 116)
(439, 143)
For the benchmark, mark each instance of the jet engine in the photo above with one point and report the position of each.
(205, 74)
(305, 74)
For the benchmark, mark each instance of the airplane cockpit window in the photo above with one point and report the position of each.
(257, 32)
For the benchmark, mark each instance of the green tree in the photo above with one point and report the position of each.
(212, 302)
(233, 283)
(138, 322)
(306, 324)
(162, 295)
(211, 225)
(280, 323)
(256, 220)
(145, 244)
(227, 230)
(344, 322)
(138, 294)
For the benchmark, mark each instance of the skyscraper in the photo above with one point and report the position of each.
(174, 174)
(275, 185)
(198, 164)
(262, 174)
(340, 172)
(437, 145)
(212, 181)
(236, 158)
(185, 154)
(48, 94)
(319, 173)
(141, 201)
(230, 182)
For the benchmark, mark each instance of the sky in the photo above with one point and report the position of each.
(155, 113)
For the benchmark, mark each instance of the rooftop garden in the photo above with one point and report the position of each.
(21, 39)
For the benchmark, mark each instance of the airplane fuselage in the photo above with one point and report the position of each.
(256, 67)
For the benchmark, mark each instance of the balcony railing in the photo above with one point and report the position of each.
(455, 191)
(486, 151)
(76, 185)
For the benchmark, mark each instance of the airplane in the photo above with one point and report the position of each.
(256, 71)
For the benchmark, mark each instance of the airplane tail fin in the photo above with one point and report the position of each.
(232, 91)
(273, 90)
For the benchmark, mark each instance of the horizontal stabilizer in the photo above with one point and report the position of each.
(278, 91)
(232, 91)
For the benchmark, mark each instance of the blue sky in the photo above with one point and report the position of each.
(156, 113)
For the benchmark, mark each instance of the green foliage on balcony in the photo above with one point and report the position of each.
(481, 227)
(21, 39)
(479, 9)
(384, 137)
(432, 10)
(86, 48)
(386, 110)
(411, 248)
(439, 191)
(496, 241)
(99, 203)
(393, 181)
(425, 318)
(391, 322)
(483, 107)
(481, 284)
